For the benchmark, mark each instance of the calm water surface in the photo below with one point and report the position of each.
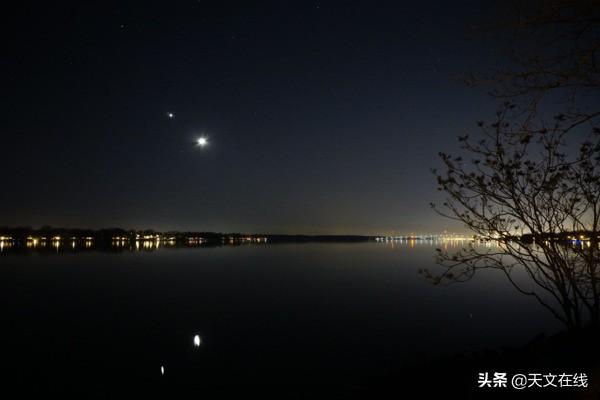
(294, 313)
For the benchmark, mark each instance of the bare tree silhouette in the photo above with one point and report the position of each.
(531, 183)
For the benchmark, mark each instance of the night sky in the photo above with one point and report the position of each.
(321, 117)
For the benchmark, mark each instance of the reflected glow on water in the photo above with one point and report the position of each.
(320, 307)
(5, 244)
(56, 244)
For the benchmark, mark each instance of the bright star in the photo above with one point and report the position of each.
(197, 340)
(202, 141)
(170, 115)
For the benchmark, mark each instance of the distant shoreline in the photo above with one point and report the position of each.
(49, 238)
(118, 237)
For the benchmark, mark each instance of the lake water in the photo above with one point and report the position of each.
(293, 314)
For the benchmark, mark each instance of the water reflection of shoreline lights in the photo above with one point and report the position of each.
(61, 243)
(5, 242)
(194, 240)
(431, 240)
(32, 242)
(149, 245)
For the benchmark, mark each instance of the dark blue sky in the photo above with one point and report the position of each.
(322, 117)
